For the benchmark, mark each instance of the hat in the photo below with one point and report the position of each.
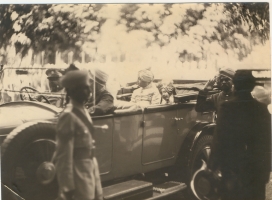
(243, 80)
(70, 68)
(146, 75)
(229, 73)
(168, 86)
(73, 79)
(100, 76)
(53, 74)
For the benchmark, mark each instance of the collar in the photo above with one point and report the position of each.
(227, 93)
(148, 86)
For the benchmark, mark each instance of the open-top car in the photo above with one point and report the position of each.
(145, 153)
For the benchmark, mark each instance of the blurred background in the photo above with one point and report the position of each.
(177, 41)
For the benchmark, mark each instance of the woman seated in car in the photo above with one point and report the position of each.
(166, 89)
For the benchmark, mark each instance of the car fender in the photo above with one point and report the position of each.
(197, 131)
(207, 129)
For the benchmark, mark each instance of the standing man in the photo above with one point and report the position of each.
(211, 103)
(147, 93)
(76, 166)
(103, 99)
(241, 146)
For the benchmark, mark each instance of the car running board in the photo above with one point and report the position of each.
(137, 190)
(167, 189)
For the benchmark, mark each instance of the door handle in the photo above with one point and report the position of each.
(178, 118)
(103, 127)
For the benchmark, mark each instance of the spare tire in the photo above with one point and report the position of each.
(26, 154)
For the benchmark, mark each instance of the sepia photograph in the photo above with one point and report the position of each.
(135, 101)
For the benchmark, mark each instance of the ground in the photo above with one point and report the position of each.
(181, 196)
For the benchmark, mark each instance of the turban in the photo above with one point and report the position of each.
(73, 79)
(100, 76)
(229, 73)
(146, 75)
(169, 87)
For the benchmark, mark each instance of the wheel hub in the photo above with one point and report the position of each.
(46, 172)
(203, 186)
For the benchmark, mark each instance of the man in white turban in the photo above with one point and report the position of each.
(147, 93)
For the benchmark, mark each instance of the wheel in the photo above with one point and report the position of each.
(26, 167)
(201, 153)
(29, 90)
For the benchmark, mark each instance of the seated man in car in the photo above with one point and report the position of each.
(148, 93)
(166, 89)
(103, 99)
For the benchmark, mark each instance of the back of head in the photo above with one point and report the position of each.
(71, 67)
(74, 79)
(243, 81)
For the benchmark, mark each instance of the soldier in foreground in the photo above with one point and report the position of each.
(241, 145)
(76, 166)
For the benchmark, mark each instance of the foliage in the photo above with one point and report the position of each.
(180, 31)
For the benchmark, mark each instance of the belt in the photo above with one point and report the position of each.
(83, 153)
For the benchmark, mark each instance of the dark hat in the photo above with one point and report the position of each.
(227, 73)
(243, 80)
(71, 67)
(53, 73)
(73, 79)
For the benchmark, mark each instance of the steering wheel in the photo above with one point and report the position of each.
(28, 90)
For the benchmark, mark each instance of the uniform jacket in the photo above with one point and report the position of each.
(75, 173)
(242, 140)
(103, 103)
(211, 103)
(146, 96)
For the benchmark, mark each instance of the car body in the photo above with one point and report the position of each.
(159, 139)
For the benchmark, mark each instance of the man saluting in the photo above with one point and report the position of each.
(211, 103)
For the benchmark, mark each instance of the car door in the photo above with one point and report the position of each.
(159, 136)
(103, 142)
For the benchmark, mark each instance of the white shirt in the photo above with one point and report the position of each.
(146, 96)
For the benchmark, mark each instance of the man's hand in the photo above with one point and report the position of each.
(91, 110)
(209, 85)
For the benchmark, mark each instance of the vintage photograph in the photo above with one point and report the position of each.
(134, 101)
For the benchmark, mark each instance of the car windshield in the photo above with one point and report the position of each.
(25, 83)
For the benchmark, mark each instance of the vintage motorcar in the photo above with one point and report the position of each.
(145, 153)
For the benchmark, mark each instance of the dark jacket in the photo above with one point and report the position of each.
(103, 103)
(242, 139)
(206, 102)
